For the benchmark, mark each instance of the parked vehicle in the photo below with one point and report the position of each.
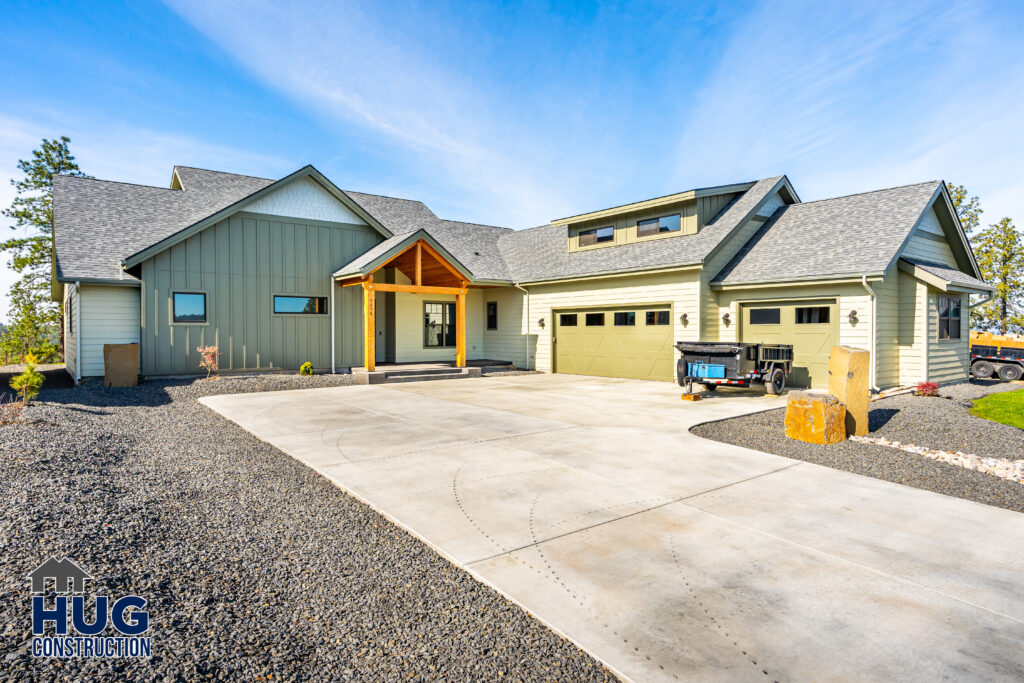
(997, 355)
(713, 364)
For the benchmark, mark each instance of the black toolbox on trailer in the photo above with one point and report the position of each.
(736, 364)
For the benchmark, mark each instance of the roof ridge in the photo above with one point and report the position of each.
(858, 194)
(118, 182)
(387, 196)
(481, 225)
(240, 175)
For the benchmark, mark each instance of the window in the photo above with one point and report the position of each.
(765, 316)
(625, 318)
(657, 226)
(949, 317)
(438, 324)
(308, 305)
(813, 315)
(567, 320)
(657, 317)
(189, 307)
(595, 319)
(492, 315)
(69, 315)
(596, 236)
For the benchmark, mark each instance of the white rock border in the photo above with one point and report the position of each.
(1000, 467)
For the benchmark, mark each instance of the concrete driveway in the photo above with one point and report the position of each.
(667, 556)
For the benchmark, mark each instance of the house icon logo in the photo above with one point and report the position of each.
(67, 576)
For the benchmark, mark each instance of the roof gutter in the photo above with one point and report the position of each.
(874, 330)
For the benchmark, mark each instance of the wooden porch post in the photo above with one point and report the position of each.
(369, 326)
(460, 328)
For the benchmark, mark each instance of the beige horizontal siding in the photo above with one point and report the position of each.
(913, 298)
(948, 359)
(925, 249)
(508, 342)
(71, 322)
(109, 315)
(887, 345)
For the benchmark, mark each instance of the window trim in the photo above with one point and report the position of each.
(659, 231)
(206, 307)
(939, 318)
(487, 316)
(274, 311)
(444, 323)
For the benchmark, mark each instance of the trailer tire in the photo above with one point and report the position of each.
(983, 369)
(709, 387)
(1009, 373)
(776, 382)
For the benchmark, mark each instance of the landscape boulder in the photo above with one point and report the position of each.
(815, 418)
(849, 370)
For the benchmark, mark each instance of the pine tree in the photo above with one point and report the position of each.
(36, 320)
(967, 208)
(999, 250)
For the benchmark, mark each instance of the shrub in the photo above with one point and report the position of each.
(306, 368)
(208, 360)
(927, 389)
(9, 410)
(29, 381)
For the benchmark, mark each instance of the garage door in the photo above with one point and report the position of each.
(615, 342)
(812, 327)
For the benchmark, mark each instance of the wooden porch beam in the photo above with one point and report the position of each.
(423, 289)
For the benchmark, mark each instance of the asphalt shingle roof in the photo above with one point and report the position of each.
(852, 235)
(952, 275)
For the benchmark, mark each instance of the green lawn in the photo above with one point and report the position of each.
(1007, 408)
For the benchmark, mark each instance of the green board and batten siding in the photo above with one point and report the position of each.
(240, 263)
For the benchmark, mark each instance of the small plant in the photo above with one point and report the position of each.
(208, 359)
(29, 381)
(306, 369)
(927, 389)
(9, 410)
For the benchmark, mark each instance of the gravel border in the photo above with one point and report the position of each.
(939, 423)
(254, 566)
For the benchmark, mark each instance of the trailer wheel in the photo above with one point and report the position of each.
(1009, 373)
(709, 387)
(776, 382)
(983, 369)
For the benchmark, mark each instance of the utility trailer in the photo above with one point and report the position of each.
(715, 364)
(997, 355)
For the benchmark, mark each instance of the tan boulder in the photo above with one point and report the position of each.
(815, 418)
(849, 372)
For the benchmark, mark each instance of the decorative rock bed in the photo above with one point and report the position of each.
(1000, 467)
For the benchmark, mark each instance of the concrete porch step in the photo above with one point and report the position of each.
(390, 378)
(413, 375)
(422, 371)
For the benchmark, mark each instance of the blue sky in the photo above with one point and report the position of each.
(517, 113)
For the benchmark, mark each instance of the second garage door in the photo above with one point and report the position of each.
(812, 327)
(634, 343)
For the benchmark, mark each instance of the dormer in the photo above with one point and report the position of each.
(675, 215)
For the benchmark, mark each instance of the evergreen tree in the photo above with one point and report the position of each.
(1000, 253)
(36, 320)
(967, 208)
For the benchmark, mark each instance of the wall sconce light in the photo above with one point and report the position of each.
(682, 318)
(540, 323)
(725, 318)
(853, 317)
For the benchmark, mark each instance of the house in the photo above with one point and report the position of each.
(277, 273)
(68, 577)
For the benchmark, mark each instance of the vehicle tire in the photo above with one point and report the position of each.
(776, 382)
(710, 387)
(1009, 373)
(983, 369)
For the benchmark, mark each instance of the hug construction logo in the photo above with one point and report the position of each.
(88, 620)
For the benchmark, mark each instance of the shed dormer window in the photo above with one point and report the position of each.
(596, 236)
(657, 226)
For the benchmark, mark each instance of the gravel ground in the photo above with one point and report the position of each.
(940, 423)
(254, 566)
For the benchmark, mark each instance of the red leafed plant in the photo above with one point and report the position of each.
(927, 389)
(208, 359)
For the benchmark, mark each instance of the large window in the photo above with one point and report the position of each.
(300, 305)
(657, 226)
(189, 307)
(438, 324)
(949, 317)
(765, 316)
(596, 236)
(492, 315)
(813, 315)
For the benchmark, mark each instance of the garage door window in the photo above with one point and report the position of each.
(949, 317)
(765, 316)
(813, 315)
(625, 318)
(567, 320)
(657, 317)
(595, 319)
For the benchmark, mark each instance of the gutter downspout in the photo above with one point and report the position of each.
(516, 285)
(334, 366)
(874, 330)
(78, 331)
